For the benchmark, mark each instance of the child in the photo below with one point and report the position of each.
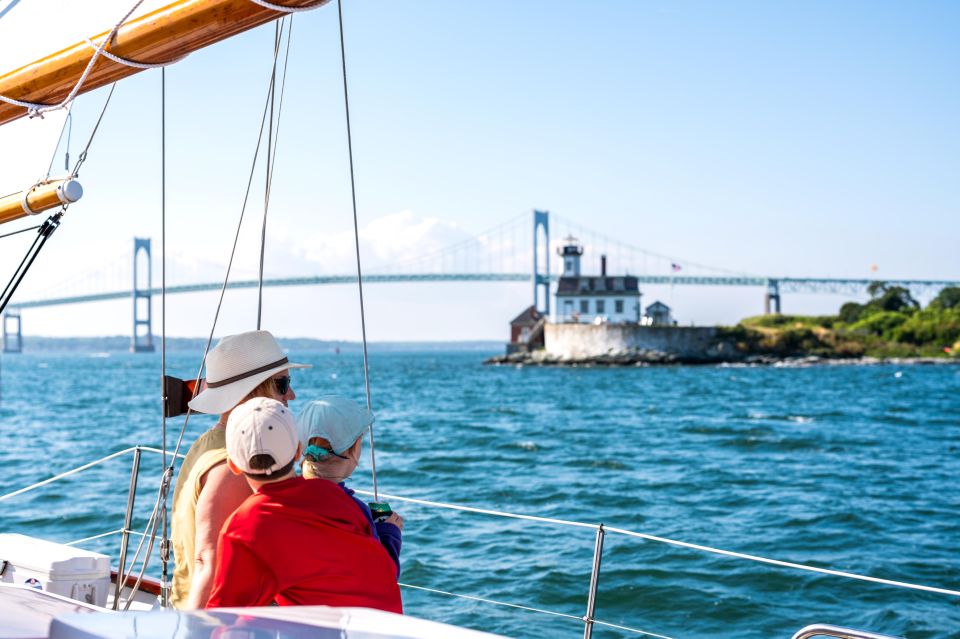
(260, 555)
(331, 429)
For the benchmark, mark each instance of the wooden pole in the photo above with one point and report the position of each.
(163, 35)
(40, 198)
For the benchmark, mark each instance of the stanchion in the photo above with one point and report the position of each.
(594, 582)
(127, 522)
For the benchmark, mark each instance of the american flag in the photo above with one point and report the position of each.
(675, 267)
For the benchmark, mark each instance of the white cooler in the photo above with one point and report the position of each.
(63, 570)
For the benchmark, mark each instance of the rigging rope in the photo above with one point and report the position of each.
(282, 9)
(96, 127)
(67, 121)
(152, 523)
(271, 152)
(29, 228)
(52, 223)
(168, 471)
(46, 229)
(356, 238)
(35, 109)
(226, 278)
(127, 62)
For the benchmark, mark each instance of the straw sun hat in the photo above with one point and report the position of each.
(236, 366)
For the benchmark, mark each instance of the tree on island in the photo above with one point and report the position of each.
(948, 297)
(883, 297)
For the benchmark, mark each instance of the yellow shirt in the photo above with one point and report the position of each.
(208, 451)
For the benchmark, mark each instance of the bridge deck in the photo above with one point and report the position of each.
(783, 284)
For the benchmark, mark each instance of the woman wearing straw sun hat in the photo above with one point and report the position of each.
(240, 367)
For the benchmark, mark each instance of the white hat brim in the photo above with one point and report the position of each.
(215, 401)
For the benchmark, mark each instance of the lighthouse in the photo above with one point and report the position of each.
(571, 252)
(593, 299)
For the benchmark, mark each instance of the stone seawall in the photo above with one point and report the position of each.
(583, 342)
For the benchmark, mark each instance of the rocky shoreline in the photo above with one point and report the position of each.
(656, 358)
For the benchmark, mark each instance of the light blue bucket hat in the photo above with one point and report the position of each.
(338, 420)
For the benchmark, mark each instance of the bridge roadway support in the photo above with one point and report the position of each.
(772, 297)
(541, 280)
(142, 339)
(12, 339)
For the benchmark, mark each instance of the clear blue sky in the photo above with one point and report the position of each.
(801, 139)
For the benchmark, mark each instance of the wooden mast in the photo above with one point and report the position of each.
(163, 35)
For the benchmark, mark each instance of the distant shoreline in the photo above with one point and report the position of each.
(643, 360)
(121, 344)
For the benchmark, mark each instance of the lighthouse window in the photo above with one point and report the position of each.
(584, 306)
(599, 306)
(618, 306)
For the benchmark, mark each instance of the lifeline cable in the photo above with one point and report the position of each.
(356, 238)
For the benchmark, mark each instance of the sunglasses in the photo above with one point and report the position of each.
(282, 384)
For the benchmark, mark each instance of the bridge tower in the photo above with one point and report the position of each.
(772, 296)
(12, 339)
(142, 339)
(541, 280)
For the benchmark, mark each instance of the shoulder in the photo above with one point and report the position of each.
(222, 491)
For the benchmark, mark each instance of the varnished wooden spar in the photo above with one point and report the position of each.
(166, 34)
(40, 198)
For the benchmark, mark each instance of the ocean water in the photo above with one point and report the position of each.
(848, 468)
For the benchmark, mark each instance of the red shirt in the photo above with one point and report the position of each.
(302, 542)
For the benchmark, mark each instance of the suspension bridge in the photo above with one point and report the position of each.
(504, 253)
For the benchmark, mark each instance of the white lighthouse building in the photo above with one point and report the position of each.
(598, 299)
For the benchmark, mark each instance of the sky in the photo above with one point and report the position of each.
(805, 139)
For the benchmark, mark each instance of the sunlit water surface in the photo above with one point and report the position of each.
(851, 468)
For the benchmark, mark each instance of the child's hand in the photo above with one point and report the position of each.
(395, 519)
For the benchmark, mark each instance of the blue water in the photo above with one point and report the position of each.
(850, 468)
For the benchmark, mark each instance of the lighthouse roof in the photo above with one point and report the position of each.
(594, 285)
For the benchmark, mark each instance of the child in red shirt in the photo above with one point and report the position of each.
(294, 541)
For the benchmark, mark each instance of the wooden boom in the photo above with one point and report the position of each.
(163, 35)
(40, 198)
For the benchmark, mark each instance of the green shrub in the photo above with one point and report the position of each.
(947, 298)
(934, 326)
(880, 323)
(850, 312)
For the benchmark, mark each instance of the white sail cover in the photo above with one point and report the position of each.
(31, 30)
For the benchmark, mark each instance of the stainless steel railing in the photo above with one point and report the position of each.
(588, 619)
(826, 630)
